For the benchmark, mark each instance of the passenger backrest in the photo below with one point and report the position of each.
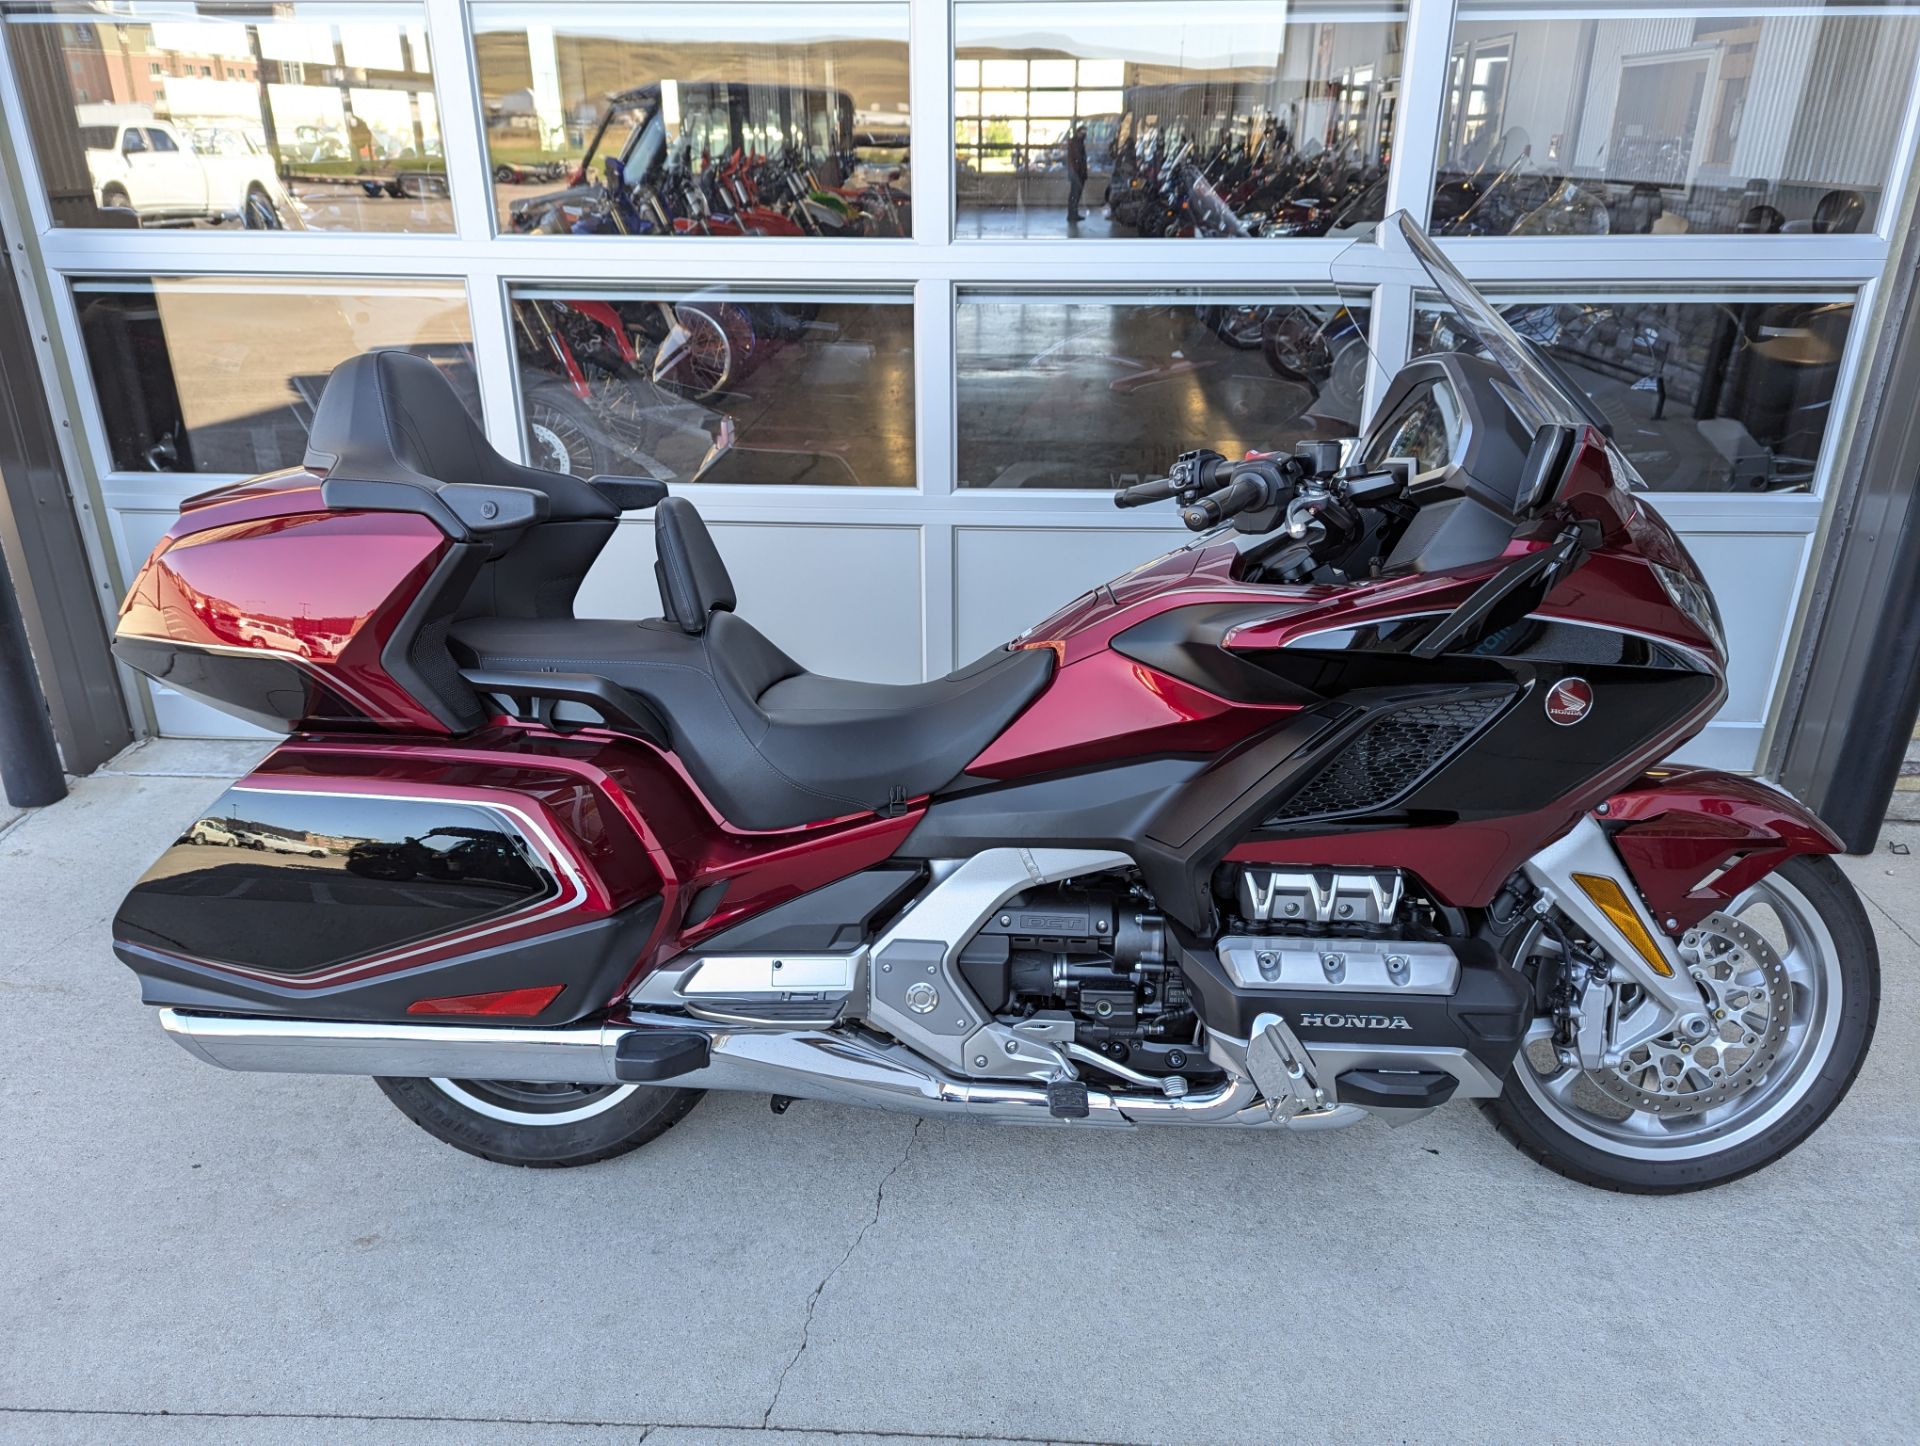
(693, 580)
(390, 420)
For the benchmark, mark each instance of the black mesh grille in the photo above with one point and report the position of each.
(1388, 757)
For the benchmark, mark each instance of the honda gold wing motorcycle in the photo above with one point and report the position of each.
(1351, 807)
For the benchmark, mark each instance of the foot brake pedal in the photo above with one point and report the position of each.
(1067, 1099)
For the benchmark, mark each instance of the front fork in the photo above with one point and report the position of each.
(1582, 876)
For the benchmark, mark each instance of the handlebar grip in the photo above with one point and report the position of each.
(1159, 489)
(1242, 492)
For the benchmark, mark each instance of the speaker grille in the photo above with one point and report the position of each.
(1388, 757)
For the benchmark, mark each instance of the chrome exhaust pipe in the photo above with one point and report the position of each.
(803, 1064)
(442, 1051)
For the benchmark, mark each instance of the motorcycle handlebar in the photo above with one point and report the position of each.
(1244, 491)
(1159, 489)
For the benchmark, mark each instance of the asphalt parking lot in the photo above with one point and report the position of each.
(195, 1256)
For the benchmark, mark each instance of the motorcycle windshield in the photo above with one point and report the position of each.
(1544, 393)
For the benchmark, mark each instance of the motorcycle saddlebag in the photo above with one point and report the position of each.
(386, 898)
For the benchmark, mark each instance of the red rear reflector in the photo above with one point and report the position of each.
(521, 1003)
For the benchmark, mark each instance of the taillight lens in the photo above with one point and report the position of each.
(510, 1003)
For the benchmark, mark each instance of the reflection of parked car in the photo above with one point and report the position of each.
(149, 168)
(446, 854)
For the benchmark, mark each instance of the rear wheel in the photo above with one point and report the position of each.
(544, 1126)
(564, 434)
(1791, 978)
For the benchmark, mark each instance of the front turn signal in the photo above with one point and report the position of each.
(1610, 899)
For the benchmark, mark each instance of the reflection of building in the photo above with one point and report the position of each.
(127, 65)
(1713, 112)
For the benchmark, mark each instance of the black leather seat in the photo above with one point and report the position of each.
(772, 745)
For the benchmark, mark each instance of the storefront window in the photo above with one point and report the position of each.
(284, 117)
(1174, 117)
(700, 120)
(1604, 119)
(1102, 393)
(1722, 392)
(189, 380)
(723, 385)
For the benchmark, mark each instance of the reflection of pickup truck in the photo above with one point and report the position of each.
(148, 167)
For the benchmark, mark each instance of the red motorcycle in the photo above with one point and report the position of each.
(1350, 807)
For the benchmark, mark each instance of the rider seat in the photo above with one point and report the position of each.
(769, 743)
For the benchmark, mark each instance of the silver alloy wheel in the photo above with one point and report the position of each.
(517, 1102)
(1573, 1100)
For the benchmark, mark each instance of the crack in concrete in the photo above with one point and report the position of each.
(813, 1301)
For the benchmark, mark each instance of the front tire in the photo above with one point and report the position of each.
(1810, 913)
(541, 1126)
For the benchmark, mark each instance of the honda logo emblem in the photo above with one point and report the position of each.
(1569, 700)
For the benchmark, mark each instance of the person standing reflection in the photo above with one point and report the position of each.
(1076, 172)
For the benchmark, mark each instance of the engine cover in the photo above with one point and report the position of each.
(1388, 966)
(1469, 1001)
(1306, 897)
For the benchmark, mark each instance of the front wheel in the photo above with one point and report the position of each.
(1791, 978)
(544, 1126)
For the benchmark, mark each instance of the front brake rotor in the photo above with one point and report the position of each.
(1748, 1001)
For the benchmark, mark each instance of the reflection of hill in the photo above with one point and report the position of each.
(873, 72)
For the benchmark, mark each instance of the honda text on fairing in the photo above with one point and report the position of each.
(1350, 807)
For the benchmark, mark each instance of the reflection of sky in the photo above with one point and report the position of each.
(720, 23)
(1199, 34)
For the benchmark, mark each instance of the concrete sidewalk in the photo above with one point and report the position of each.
(193, 1256)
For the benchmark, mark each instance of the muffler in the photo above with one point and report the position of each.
(803, 1064)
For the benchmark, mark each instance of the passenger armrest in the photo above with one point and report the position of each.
(629, 494)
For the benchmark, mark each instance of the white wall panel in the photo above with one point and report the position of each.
(840, 600)
(1008, 578)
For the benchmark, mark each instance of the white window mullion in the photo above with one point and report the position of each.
(934, 397)
(457, 94)
(929, 57)
(494, 359)
(1389, 338)
(1417, 120)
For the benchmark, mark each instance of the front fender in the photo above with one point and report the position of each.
(1694, 838)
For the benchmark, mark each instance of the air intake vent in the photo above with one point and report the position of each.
(1388, 757)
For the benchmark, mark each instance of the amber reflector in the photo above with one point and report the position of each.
(1612, 901)
(519, 1003)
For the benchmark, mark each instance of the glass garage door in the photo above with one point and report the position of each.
(927, 266)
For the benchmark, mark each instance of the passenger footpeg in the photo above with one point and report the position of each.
(1283, 1070)
(650, 1055)
(1067, 1099)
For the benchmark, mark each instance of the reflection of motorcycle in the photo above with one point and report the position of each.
(1327, 354)
(1517, 200)
(614, 368)
(646, 191)
(1163, 186)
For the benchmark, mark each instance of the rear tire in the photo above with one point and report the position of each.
(1845, 990)
(543, 1127)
